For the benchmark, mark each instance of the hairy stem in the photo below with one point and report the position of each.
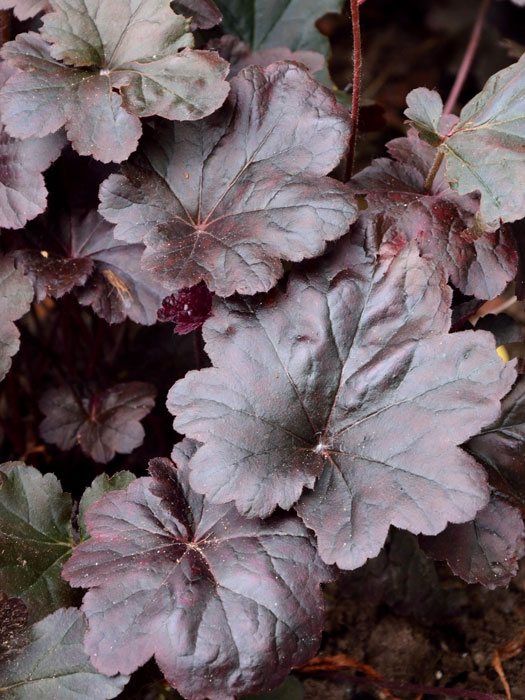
(433, 171)
(356, 86)
(468, 58)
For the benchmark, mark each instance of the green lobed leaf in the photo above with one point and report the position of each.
(100, 486)
(268, 23)
(484, 150)
(53, 664)
(37, 535)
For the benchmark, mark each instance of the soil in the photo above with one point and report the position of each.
(453, 650)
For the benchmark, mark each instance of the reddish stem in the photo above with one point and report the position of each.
(356, 86)
(468, 58)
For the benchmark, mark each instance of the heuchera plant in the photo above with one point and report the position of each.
(198, 242)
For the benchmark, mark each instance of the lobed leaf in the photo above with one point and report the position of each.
(35, 538)
(101, 485)
(16, 295)
(226, 605)
(486, 550)
(288, 23)
(102, 424)
(225, 200)
(105, 66)
(484, 150)
(479, 263)
(309, 388)
(79, 252)
(23, 193)
(53, 664)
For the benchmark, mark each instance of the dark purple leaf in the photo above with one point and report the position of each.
(483, 150)
(105, 66)
(204, 14)
(226, 605)
(349, 384)
(188, 309)
(239, 55)
(443, 223)
(226, 199)
(486, 550)
(53, 664)
(13, 622)
(16, 295)
(80, 252)
(23, 193)
(501, 446)
(24, 9)
(402, 577)
(102, 424)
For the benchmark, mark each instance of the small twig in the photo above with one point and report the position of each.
(433, 171)
(509, 650)
(498, 667)
(356, 86)
(468, 58)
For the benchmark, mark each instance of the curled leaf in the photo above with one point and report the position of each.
(188, 309)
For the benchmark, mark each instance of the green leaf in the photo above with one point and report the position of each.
(484, 150)
(36, 533)
(53, 664)
(101, 485)
(267, 23)
(36, 538)
(425, 108)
